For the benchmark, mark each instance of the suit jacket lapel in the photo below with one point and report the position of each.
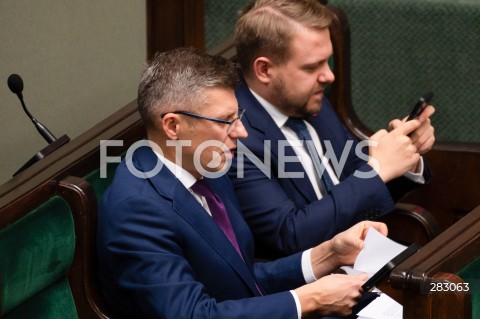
(190, 209)
(184, 204)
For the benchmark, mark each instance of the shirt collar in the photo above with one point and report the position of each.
(278, 117)
(181, 174)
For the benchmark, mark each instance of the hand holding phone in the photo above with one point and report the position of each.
(418, 108)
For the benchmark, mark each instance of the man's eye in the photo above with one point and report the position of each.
(310, 68)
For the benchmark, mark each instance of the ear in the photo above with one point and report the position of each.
(170, 125)
(262, 68)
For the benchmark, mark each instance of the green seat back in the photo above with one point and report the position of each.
(402, 48)
(100, 184)
(37, 252)
(220, 18)
(471, 274)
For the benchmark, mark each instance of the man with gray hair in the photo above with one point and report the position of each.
(171, 240)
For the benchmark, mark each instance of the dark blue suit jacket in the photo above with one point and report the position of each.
(162, 256)
(284, 214)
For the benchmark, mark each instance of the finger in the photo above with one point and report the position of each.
(363, 276)
(358, 244)
(365, 227)
(423, 135)
(407, 127)
(427, 146)
(394, 124)
(424, 128)
(420, 138)
(427, 112)
(412, 148)
(378, 135)
(381, 228)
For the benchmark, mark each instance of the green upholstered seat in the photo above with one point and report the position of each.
(98, 183)
(54, 302)
(37, 252)
(471, 274)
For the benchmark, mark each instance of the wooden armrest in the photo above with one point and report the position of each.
(83, 281)
(439, 261)
(456, 304)
(411, 224)
(448, 252)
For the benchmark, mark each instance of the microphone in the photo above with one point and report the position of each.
(15, 84)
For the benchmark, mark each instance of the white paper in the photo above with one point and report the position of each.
(376, 252)
(382, 307)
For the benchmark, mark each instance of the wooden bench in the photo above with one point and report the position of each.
(449, 197)
(59, 181)
(450, 260)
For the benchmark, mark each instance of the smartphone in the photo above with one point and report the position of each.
(422, 102)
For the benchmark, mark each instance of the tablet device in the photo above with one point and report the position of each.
(372, 281)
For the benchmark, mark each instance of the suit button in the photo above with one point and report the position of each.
(371, 214)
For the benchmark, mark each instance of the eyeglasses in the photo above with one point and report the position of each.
(232, 125)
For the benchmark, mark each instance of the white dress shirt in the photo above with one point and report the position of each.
(280, 119)
(304, 158)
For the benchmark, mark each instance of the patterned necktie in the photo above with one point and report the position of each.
(218, 211)
(299, 127)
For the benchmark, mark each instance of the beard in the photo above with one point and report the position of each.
(295, 105)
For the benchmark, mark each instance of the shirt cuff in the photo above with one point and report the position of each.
(297, 303)
(417, 177)
(308, 275)
(307, 268)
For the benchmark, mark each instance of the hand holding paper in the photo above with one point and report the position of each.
(376, 252)
(348, 244)
(379, 253)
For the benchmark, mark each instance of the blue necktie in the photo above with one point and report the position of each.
(299, 127)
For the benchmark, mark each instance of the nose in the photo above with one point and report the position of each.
(326, 75)
(239, 131)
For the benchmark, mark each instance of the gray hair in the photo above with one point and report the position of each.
(177, 80)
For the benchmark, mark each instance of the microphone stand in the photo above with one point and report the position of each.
(50, 148)
(15, 84)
